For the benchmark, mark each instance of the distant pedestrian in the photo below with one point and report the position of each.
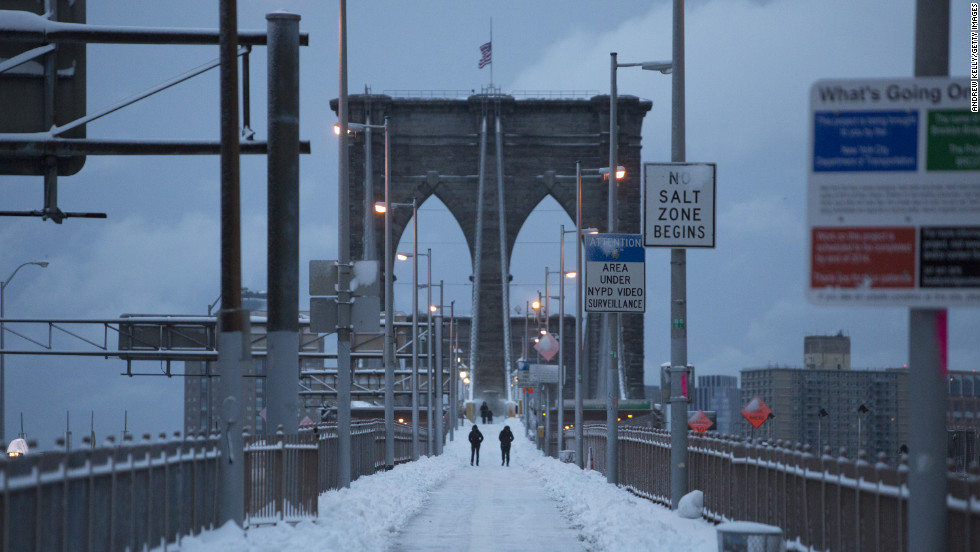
(475, 439)
(484, 409)
(506, 438)
(489, 416)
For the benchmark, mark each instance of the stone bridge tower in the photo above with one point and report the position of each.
(471, 153)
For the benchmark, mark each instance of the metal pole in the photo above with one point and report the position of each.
(389, 344)
(415, 330)
(678, 280)
(428, 353)
(369, 251)
(344, 368)
(579, 445)
(561, 345)
(527, 337)
(233, 343)
(927, 341)
(546, 307)
(282, 358)
(3, 356)
(453, 371)
(612, 378)
(438, 388)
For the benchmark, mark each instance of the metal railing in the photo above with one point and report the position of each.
(367, 449)
(822, 503)
(129, 497)
(149, 495)
(280, 478)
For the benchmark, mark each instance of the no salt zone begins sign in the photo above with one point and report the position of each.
(615, 273)
(679, 205)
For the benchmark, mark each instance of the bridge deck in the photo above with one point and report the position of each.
(489, 507)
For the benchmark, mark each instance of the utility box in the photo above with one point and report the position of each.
(749, 536)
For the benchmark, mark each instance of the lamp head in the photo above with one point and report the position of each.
(42, 264)
(535, 305)
(401, 256)
(620, 172)
(665, 67)
(380, 207)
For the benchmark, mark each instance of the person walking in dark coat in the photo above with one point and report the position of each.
(506, 438)
(475, 439)
(484, 409)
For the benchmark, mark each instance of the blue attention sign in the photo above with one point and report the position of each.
(615, 273)
(846, 141)
(623, 248)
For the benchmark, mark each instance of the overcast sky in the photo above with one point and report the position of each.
(750, 65)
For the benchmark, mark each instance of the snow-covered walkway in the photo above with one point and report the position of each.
(441, 503)
(491, 507)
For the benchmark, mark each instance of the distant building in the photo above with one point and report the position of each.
(827, 352)
(829, 404)
(854, 409)
(721, 395)
(963, 419)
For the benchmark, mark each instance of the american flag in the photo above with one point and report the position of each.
(486, 55)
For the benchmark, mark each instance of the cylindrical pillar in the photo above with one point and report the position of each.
(282, 338)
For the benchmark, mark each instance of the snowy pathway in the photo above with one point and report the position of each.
(441, 503)
(490, 507)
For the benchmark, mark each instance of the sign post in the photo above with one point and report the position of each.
(892, 200)
(679, 207)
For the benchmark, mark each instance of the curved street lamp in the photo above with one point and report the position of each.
(3, 331)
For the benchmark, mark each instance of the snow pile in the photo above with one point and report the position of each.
(691, 505)
(611, 518)
(363, 517)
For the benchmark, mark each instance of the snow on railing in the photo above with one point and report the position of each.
(821, 503)
(133, 496)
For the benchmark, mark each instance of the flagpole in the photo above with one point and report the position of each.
(491, 50)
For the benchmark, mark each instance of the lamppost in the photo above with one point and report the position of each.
(612, 464)
(529, 305)
(389, 341)
(580, 174)
(561, 332)
(428, 324)
(414, 255)
(3, 331)
(561, 338)
(678, 258)
(430, 364)
(389, 345)
(437, 342)
(820, 416)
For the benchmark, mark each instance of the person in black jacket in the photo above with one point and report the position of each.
(475, 439)
(483, 411)
(506, 438)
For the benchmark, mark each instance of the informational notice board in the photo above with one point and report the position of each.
(893, 193)
(615, 273)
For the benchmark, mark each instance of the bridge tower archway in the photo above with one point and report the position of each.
(462, 151)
